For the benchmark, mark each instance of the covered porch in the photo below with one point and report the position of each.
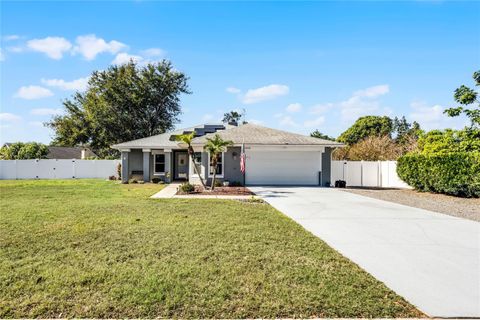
(146, 164)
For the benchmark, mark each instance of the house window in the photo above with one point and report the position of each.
(219, 169)
(197, 157)
(159, 163)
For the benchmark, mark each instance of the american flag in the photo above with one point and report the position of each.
(242, 159)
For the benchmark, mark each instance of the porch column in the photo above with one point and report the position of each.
(168, 165)
(125, 165)
(146, 165)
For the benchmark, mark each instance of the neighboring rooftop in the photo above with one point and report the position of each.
(69, 153)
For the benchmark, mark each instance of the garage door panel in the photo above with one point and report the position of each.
(282, 167)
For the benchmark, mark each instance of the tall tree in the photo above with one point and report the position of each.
(318, 134)
(469, 103)
(231, 117)
(187, 139)
(404, 131)
(122, 103)
(215, 146)
(365, 127)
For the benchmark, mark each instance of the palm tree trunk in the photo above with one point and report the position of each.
(214, 165)
(195, 168)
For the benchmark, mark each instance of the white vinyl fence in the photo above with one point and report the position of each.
(57, 169)
(382, 174)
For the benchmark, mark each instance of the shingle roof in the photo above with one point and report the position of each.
(164, 140)
(259, 135)
(247, 133)
(68, 153)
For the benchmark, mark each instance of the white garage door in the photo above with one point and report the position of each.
(282, 167)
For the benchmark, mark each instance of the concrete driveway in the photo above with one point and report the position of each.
(430, 259)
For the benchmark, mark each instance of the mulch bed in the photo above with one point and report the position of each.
(224, 191)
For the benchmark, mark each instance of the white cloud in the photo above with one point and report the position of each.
(79, 84)
(432, 117)
(315, 122)
(53, 47)
(356, 106)
(123, 58)
(46, 111)
(9, 117)
(265, 93)
(89, 46)
(11, 37)
(153, 52)
(33, 92)
(293, 107)
(362, 102)
(373, 92)
(233, 90)
(287, 121)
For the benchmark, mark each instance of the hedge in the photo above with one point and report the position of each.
(455, 173)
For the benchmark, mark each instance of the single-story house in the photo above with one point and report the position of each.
(273, 157)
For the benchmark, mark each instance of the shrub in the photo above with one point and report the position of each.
(112, 178)
(156, 180)
(132, 181)
(373, 149)
(218, 183)
(119, 171)
(456, 173)
(187, 187)
(235, 184)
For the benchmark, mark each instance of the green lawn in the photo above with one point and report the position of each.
(91, 248)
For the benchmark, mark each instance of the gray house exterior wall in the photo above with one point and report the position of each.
(135, 161)
(231, 166)
(326, 166)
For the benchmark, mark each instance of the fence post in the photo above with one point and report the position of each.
(73, 169)
(361, 173)
(379, 174)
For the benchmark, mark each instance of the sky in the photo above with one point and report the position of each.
(296, 66)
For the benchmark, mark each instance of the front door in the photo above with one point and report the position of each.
(181, 166)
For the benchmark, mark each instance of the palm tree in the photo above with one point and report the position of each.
(215, 146)
(187, 139)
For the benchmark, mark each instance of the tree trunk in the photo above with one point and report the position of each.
(214, 165)
(195, 168)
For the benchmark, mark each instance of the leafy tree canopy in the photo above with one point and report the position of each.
(405, 131)
(469, 103)
(365, 127)
(122, 103)
(318, 134)
(447, 141)
(232, 116)
(22, 151)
